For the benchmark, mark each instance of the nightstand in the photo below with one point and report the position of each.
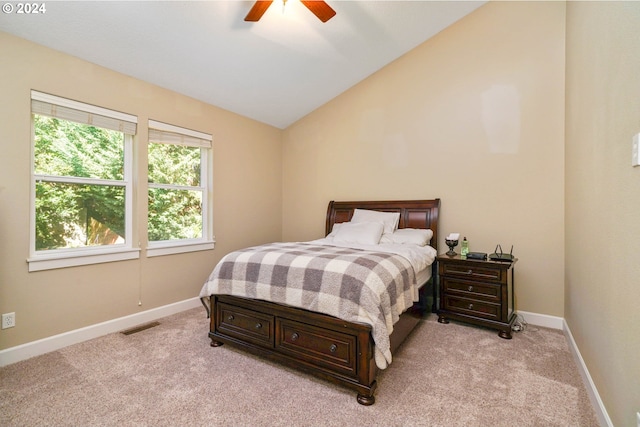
(477, 291)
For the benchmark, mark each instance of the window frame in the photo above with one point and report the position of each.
(207, 241)
(69, 257)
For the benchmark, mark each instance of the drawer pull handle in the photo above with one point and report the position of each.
(294, 336)
(470, 306)
(466, 272)
(258, 325)
(470, 288)
(333, 348)
(230, 318)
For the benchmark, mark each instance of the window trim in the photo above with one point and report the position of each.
(204, 141)
(70, 257)
(88, 256)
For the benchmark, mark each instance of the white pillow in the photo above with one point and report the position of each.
(364, 233)
(336, 227)
(410, 236)
(389, 219)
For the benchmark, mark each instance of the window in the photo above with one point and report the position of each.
(82, 196)
(179, 184)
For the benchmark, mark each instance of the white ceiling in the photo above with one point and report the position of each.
(275, 71)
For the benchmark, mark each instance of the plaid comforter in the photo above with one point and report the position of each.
(351, 284)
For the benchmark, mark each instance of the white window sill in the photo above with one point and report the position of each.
(50, 261)
(178, 247)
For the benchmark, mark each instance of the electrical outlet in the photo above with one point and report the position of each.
(8, 320)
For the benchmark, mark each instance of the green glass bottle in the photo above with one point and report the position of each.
(464, 248)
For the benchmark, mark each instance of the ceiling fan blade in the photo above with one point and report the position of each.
(322, 10)
(258, 9)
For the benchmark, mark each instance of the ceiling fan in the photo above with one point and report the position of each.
(322, 10)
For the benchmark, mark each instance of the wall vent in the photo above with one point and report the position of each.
(140, 328)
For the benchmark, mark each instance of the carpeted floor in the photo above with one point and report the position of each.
(444, 375)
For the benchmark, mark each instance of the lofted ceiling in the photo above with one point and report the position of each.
(275, 71)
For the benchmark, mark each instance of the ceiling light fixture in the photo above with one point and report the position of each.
(321, 9)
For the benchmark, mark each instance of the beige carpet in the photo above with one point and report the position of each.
(444, 375)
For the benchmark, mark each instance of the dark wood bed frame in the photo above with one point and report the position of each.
(330, 348)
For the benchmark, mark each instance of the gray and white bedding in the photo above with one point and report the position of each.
(371, 284)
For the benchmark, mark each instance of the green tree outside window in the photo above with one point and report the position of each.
(79, 201)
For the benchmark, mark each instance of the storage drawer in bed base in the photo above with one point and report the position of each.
(328, 349)
(257, 328)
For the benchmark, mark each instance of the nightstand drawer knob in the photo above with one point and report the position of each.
(470, 306)
(230, 318)
(333, 348)
(470, 288)
(294, 336)
(258, 325)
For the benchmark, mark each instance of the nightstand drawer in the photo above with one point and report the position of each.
(473, 271)
(470, 289)
(472, 307)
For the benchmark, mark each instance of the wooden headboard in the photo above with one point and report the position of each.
(413, 213)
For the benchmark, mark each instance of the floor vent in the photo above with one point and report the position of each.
(140, 328)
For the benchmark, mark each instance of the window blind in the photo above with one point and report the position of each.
(164, 133)
(67, 109)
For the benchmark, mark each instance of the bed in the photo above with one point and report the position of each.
(324, 332)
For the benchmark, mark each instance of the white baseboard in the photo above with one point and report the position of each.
(601, 411)
(544, 320)
(56, 342)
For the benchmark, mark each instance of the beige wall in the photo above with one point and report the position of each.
(247, 196)
(474, 116)
(603, 198)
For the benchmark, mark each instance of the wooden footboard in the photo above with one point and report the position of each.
(327, 347)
